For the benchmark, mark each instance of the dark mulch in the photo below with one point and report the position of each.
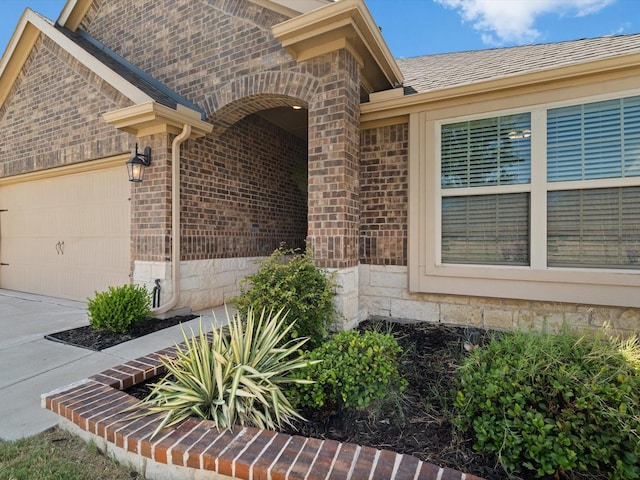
(93, 339)
(418, 422)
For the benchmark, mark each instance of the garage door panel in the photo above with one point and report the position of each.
(66, 236)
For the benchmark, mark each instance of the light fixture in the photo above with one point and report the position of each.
(519, 134)
(296, 107)
(137, 163)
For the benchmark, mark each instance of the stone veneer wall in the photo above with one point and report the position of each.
(203, 283)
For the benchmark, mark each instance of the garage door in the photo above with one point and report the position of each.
(66, 236)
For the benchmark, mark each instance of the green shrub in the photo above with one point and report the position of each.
(550, 404)
(289, 280)
(119, 309)
(355, 369)
(232, 379)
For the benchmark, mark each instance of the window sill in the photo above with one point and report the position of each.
(585, 286)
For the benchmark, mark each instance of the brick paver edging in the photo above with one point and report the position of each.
(97, 406)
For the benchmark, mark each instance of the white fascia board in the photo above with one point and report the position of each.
(66, 12)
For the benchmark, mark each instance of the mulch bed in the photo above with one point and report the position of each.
(93, 339)
(419, 422)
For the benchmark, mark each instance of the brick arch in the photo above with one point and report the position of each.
(246, 95)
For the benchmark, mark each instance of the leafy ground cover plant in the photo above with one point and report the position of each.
(353, 370)
(232, 379)
(289, 280)
(119, 309)
(551, 404)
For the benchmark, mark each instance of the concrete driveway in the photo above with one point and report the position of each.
(31, 365)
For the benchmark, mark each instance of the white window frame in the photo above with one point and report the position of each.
(427, 272)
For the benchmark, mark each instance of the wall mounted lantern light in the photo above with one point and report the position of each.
(137, 163)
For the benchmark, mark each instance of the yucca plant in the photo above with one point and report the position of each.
(232, 379)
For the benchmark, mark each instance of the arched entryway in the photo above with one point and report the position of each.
(244, 188)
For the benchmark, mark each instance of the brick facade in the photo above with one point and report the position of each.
(384, 195)
(249, 185)
(334, 203)
(52, 116)
(244, 193)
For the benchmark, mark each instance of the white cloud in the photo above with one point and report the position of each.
(513, 21)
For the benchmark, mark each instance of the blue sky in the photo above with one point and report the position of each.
(421, 27)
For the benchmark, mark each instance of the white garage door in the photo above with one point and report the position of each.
(66, 236)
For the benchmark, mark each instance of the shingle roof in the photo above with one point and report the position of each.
(432, 72)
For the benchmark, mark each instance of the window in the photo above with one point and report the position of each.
(481, 160)
(583, 182)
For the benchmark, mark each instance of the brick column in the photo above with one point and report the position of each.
(334, 204)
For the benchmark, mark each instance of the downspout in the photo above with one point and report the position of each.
(175, 220)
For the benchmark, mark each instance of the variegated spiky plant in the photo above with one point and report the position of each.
(231, 379)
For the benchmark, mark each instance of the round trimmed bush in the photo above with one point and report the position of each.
(119, 309)
(354, 369)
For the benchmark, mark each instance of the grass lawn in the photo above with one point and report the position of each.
(58, 455)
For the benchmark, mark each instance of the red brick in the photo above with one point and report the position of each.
(260, 468)
(194, 452)
(300, 467)
(283, 462)
(244, 460)
(386, 464)
(366, 462)
(232, 450)
(210, 454)
(429, 472)
(323, 461)
(408, 468)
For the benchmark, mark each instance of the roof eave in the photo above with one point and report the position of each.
(386, 108)
(345, 24)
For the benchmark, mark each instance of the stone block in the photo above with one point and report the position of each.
(142, 272)
(380, 306)
(629, 321)
(389, 278)
(161, 270)
(381, 292)
(414, 310)
(499, 319)
(461, 314)
(364, 275)
(551, 321)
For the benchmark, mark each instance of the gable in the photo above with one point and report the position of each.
(51, 111)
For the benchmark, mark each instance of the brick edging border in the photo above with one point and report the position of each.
(97, 406)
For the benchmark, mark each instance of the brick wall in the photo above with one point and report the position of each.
(192, 46)
(244, 193)
(151, 203)
(222, 56)
(384, 195)
(52, 116)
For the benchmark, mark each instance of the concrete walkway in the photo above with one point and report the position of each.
(30, 365)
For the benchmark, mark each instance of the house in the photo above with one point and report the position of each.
(490, 188)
